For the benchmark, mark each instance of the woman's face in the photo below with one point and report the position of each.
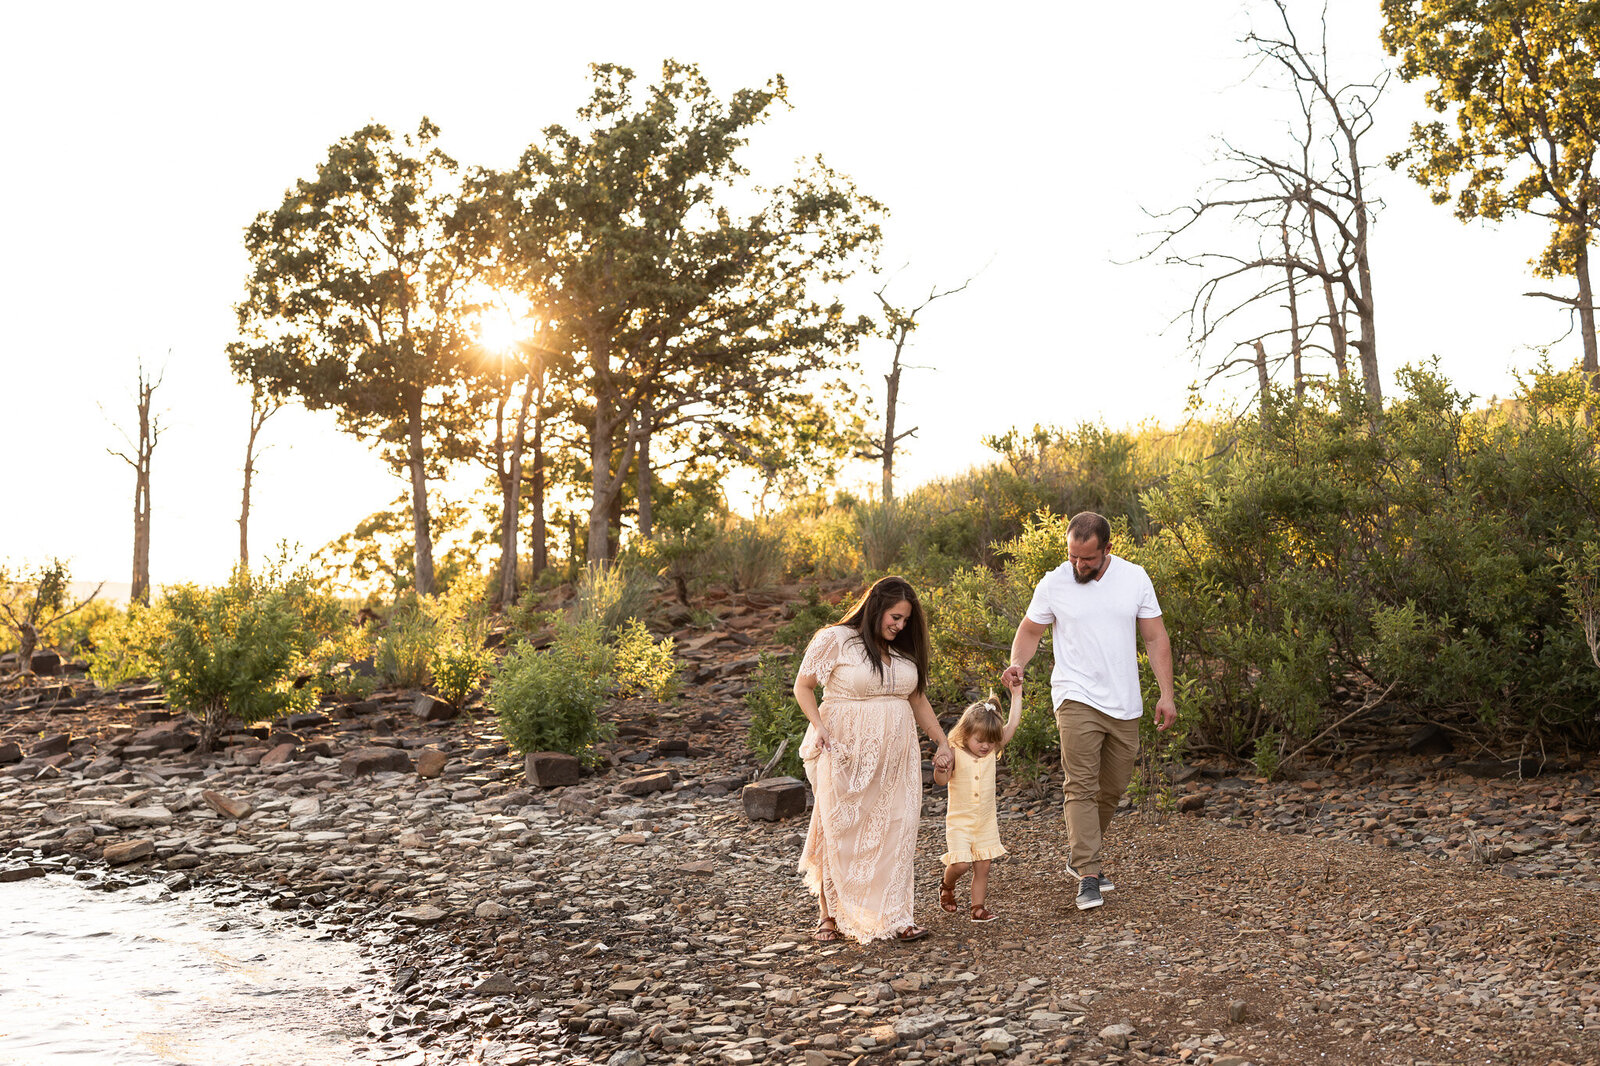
(893, 620)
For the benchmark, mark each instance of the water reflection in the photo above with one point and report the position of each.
(138, 977)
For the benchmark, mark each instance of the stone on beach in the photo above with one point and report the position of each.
(364, 761)
(774, 799)
(551, 769)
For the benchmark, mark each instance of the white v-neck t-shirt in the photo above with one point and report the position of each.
(1095, 634)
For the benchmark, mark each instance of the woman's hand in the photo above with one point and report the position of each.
(942, 759)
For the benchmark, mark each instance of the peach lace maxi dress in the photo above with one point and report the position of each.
(861, 846)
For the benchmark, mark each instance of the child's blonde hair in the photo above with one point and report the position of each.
(980, 721)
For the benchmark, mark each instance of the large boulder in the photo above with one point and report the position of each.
(774, 799)
(551, 769)
(364, 761)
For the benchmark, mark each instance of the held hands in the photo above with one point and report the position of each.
(942, 759)
(1011, 677)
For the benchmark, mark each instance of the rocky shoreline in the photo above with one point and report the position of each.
(1396, 912)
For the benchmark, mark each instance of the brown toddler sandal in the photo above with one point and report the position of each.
(980, 913)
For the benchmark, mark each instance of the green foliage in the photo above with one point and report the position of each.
(642, 665)
(34, 603)
(126, 645)
(1419, 553)
(819, 541)
(885, 528)
(236, 650)
(403, 653)
(459, 670)
(808, 616)
(1518, 80)
(752, 552)
(550, 700)
(609, 595)
(775, 717)
(1580, 569)
(774, 714)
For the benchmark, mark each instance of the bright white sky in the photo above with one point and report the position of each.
(144, 137)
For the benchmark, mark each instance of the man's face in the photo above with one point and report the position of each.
(1087, 557)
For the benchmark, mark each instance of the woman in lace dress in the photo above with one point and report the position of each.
(864, 762)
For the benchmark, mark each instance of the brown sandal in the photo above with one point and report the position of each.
(911, 932)
(827, 931)
(947, 896)
(980, 913)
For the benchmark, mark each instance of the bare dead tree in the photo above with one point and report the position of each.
(898, 325)
(262, 407)
(149, 433)
(1310, 213)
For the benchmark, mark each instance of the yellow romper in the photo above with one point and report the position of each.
(971, 831)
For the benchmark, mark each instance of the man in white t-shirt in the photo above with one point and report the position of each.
(1097, 603)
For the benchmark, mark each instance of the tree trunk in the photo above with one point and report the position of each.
(261, 409)
(1367, 346)
(511, 503)
(1591, 353)
(416, 461)
(1295, 352)
(140, 592)
(540, 537)
(645, 483)
(27, 640)
(1263, 382)
(893, 378)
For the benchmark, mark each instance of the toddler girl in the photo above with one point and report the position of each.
(971, 831)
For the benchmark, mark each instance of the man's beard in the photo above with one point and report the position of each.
(1083, 579)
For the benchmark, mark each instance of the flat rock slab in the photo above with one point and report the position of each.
(774, 799)
(429, 709)
(134, 817)
(226, 806)
(10, 753)
(128, 851)
(51, 745)
(423, 915)
(551, 769)
(20, 873)
(646, 784)
(364, 761)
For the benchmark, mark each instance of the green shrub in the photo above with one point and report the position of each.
(753, 554)
(459, 670)
(610, 595)
(125, 645)
(236, 650)
(885, 529)
(820, 542)
(775, 717)
(403, 652)
(642, 665)
(550, 700)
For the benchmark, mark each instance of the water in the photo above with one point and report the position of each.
(139, 977)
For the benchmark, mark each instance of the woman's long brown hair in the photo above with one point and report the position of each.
(911, 641)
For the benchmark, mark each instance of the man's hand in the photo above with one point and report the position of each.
(1011, 677)
(1166, 714)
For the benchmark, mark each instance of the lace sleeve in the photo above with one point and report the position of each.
(823, 654)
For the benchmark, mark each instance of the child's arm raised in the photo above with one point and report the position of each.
(1015, 716)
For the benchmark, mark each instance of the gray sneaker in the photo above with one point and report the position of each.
(1105, 882)
(1089, 893)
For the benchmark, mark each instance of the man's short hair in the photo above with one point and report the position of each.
(1087, 524)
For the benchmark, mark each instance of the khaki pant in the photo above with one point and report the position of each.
(1097, 756)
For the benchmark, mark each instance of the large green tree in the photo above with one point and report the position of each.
(359, 301)
(695, 302)
(1519, 79)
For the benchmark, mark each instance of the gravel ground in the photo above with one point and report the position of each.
(1388, 910)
